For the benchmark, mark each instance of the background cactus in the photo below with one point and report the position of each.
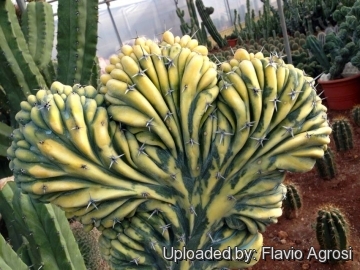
(331, 230)
(355, 112)
(342, 134)
(39, 233)
(88, 246)
(326, 165)
(181, 154)
(292, 203)
(205, 13)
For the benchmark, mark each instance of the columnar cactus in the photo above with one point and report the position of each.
(342, 134)
(331, 230)
(182, 154)
(292, 203)
(25, 53)
(205, 13)
(40, 234)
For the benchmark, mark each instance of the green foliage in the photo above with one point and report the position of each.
(39, 233)
(326, 166)
(342, 134)
(292, 203)
(331, 230)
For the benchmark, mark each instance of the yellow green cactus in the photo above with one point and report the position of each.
(175, 151)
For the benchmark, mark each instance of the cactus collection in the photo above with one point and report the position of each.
(332, 230)
(173, 151)
(173, 147)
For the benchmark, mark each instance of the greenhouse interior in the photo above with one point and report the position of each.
(179, 134)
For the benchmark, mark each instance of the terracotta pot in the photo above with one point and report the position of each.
(232, 42)
(342, 94)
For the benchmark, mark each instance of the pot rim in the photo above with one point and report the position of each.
(339, 80)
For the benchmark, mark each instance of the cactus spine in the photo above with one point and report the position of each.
(292, 203)
(326, 166)
(342, 134)
(331, 230)
(355, 112)
(39, 231)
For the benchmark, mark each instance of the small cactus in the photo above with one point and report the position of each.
(331, 230)
(356, 114)
(342, 134)
(292, 202)
(326, 165)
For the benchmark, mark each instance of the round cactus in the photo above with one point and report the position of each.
(183, 153)
(342, 134)
(331, 231)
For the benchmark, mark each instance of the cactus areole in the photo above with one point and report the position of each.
(173, 153)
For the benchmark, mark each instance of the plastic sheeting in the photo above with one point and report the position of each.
(150, 18)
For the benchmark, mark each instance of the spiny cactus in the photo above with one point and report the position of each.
(326, 165)
(9, 259)
(342, 134)
(39, 232)
(332, 230)
(355, 112)
(88, 246)
(204, 13)
(292, 203)
(25, 53)
(183, 153)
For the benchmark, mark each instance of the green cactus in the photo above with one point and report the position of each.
(292, 203)
(26, 51)
(355, 112)
(150, 167)
(9, 259)
(39, 233)
(204, 13)
(342, 134)
(326, 166)
(88, 246)
(332, 230)
(193, 27)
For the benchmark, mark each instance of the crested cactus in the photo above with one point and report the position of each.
(342, 134)
(39, 232)
(292, 203)
(181, 154)
(326, 165)
(331, 230)
(355, 112)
